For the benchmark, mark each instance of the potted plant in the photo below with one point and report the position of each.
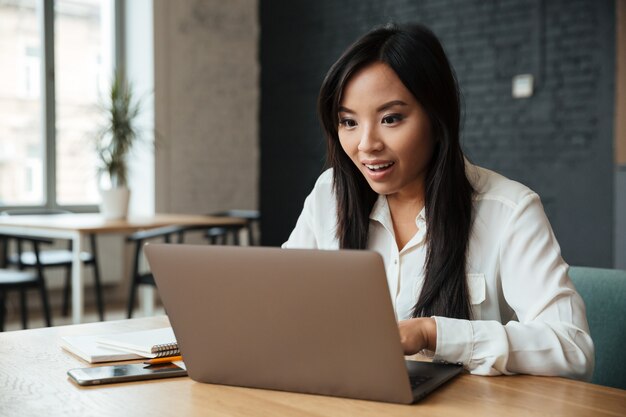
(114, 141)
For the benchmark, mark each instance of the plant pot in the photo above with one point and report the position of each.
(114, 204)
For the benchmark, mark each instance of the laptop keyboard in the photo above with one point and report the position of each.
(418, 380)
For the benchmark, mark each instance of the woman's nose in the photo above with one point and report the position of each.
(370, 141)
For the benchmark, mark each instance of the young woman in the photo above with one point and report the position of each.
(473, 267)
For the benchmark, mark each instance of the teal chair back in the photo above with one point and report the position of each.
(604, 293)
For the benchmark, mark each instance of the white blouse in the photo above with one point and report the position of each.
(527, 316)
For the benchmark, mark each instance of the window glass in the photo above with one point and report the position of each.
(83, 68)
(21, 112)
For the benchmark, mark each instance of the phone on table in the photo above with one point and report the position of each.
(124, 373)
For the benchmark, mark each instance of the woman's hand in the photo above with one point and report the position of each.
(417, 334)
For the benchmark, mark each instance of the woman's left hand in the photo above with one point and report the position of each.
(417, 334)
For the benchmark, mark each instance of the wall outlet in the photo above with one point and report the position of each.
(523, 86)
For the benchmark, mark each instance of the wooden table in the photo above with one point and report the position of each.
(33, 382)
(77, 227)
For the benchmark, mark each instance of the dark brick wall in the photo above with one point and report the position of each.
(559, 141)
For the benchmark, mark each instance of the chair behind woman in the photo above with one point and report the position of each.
(604, 293)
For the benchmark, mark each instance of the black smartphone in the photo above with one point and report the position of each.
(124, 373)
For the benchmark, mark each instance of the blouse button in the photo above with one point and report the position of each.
(395, 261)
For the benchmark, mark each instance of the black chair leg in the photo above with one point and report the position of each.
(3, 310)
(96, 277)
(46, 305)
(131, 299)
(24, 309)
(66, 291)
(250, 237)
(134, 280)
(98, 287)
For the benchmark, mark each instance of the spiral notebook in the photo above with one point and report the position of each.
(155, 343)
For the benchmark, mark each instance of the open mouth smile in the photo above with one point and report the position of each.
(378, 167)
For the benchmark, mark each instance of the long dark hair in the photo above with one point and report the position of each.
(414, 53)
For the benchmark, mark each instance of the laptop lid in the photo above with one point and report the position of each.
(307, 321)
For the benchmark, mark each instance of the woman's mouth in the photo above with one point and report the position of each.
(378, 171)
(378, 167)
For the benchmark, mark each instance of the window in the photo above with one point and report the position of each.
(83, 51)
(21, 142)
(47, 157)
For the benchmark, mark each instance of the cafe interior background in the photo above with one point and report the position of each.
(228, 118)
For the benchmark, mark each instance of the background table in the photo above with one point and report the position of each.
(77, 227)
(33, 382)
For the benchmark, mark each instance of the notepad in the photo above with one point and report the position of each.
(88, 349)
(122, 346)
(155, 343)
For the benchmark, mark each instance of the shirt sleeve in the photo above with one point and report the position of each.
(315, 228)
(303, 235)
(551, 335)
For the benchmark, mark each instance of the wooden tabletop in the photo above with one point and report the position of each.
(33, 382)
(95, 223)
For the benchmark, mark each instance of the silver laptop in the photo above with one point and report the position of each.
(310, 321)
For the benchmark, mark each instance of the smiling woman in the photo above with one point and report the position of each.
(473, 269)
(386, 133)
(427, 178)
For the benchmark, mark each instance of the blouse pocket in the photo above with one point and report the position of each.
(477, 293)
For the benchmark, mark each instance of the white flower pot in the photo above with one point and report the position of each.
(114, 204)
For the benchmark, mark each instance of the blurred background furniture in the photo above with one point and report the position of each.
(217, 235)
(604, 293)
(230, 234)
(78, 227)
(22, 281)
(168, 234)
(55, 258)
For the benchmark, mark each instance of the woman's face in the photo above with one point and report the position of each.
(385, 132)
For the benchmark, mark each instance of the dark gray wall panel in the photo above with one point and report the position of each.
(558, 142)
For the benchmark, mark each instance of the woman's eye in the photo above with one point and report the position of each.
(391, 119)
(347, 123)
